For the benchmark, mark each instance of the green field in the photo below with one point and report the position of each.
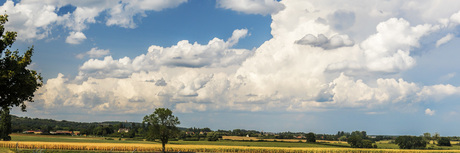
(230, 143)
(5, 150)
(263, 144)
(47, 138)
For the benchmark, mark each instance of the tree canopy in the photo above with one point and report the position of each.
(443, 141)
(410, 142)
(310, 137)
(358, 139)
(17, 82)
(162, 125)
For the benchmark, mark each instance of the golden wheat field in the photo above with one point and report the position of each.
(192, 148)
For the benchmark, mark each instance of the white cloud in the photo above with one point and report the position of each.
(263, 7)
(429, 112)
(444, 39)
(438, 92)
(75, 38)
(94, 53)
(35, 19)
(455, 18)
(389, 49)
(326, 72)
(122, 13)
(217, 53)
(31, 21)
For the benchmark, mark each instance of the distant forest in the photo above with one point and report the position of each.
(138, 130)
(20, 124)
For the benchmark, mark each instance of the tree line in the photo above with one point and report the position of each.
(356, 139)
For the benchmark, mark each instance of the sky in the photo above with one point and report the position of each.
(385, 67)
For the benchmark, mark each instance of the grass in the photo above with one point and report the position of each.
(89, 144)
(5, 150)
(264, 144)
(65, 151)
(51, 138)
(431, 146)
(63, 138)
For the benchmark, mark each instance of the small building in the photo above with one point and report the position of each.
(29, 132)
(76, 133)
(61, 132)
(125, 130)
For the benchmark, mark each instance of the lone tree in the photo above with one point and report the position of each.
(162, 125)
(17, 82)
(311, 137)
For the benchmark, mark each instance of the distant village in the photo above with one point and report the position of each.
(63, 132)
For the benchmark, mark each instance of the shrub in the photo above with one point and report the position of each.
(366, 144)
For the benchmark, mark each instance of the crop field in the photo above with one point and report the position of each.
(62, 138)
(28, 143)
(278, 140)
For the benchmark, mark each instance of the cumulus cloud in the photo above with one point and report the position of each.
(29, 20)
(122, 13)
(389, 49)
(217, 53)
(429, 112)
(438, 92)
(94, 53)
(35, 19)
(75, 38)
(444, 39)
(323, 70)
(322, 41)
(263, 7)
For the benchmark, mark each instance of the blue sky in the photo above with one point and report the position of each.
(386, 67)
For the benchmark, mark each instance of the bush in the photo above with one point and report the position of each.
(410, 142)
(444, 142)
(366, 144)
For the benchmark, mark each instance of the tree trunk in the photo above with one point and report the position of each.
(163, 144)
(5, 124)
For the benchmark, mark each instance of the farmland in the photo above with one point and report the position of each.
(78, 144)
